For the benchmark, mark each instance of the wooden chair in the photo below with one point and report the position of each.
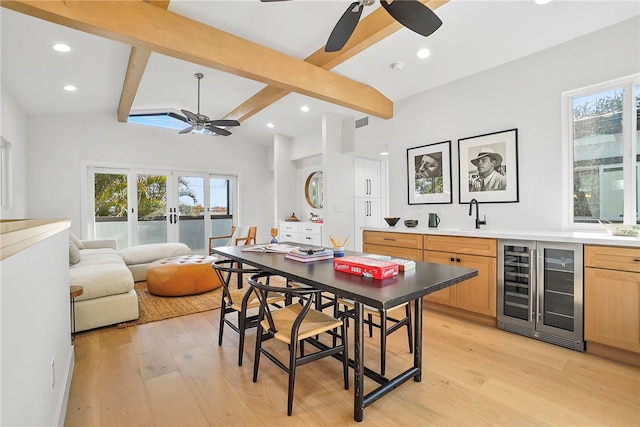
(294, 325)
(238, 301)
(380, 319)
(244, 236)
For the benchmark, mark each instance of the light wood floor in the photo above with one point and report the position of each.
(172, 373)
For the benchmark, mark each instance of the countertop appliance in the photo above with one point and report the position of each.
(540, 289)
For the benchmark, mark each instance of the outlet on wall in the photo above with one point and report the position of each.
(53, 373)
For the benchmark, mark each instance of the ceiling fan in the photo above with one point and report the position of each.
(411, 13)
(199, 121)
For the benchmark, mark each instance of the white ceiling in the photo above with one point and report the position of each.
(476, 35)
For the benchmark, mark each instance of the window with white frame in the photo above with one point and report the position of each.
(602, 146)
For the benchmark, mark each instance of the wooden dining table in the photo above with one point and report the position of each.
(410, 285)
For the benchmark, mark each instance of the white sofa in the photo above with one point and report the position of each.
(108, 294)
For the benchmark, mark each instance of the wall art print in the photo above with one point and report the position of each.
(429, 174)
(488, 166)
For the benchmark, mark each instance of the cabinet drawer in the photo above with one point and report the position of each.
(310, 239)
(310, 228)
(288, 236)
(393, 251)
(403, 240)
(461, 245)
(289, 227)
(612, 257)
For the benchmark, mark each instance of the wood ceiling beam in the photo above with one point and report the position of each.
(143, 25)
(138, 60)
(370, 30)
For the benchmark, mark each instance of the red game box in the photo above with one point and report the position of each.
(366, 267)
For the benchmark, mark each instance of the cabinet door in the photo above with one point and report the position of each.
(477, 294)
(446, 296)
(366, 178)
(611, 307)
(367, 213)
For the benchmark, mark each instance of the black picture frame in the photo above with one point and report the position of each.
(429, 174)
(488, 167)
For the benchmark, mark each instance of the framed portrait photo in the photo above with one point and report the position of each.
(489, 167)
(429, 174)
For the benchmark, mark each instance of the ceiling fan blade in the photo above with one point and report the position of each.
(413, 15)
(224, 122)
(268, 1)
(190, 116)
(345, 27)
(219, 131)
(187, 129)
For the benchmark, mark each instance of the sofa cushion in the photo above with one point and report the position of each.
(74, 254)
(98, 259)
(99, 280)
(142, 254)
(74, 239)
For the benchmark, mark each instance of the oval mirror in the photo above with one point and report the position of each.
(313, 189)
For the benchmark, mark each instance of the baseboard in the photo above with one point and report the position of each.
(617, 354)
(464, 314)
(61, 412)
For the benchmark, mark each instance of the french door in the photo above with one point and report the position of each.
(150, 206)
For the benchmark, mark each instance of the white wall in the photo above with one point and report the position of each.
(524, 94)
(36, 331)
(13, 125)
(59, 145)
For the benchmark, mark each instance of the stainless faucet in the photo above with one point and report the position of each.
(478, 222)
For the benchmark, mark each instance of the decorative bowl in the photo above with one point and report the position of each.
(392, 221)
(621, 229)
(411, 222)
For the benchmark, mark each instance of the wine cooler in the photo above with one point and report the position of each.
(540, 287)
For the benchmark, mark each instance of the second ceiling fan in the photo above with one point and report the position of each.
(200, 122)
(411, 13)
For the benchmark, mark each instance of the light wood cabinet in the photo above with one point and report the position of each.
(612, 297)
(476, 295)
(398, 245)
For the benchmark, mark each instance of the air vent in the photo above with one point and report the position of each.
(362, 122)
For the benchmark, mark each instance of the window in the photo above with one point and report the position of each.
(602, 127)
(144, 206)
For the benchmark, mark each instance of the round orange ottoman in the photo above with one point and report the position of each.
(182, 275)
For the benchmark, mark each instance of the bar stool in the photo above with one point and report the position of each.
(74, 292)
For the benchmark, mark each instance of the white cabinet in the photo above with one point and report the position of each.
(367, 207)
(308, 233)
(367, 212)
(366, 177)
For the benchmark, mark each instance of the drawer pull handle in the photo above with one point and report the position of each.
(389, 239)
(636, 260)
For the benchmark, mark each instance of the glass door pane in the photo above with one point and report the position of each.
(191, 225)
(220, 208)
(151, 199)
(110, 207)
(559, 280)
(517, 295)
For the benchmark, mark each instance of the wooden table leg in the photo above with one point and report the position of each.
(358, 394)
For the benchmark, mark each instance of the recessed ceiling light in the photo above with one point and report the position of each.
(541, 1)
(61, 47)
(270, 125)
(304, 108)
(70, 88)
(384, 153)
(423, 53)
